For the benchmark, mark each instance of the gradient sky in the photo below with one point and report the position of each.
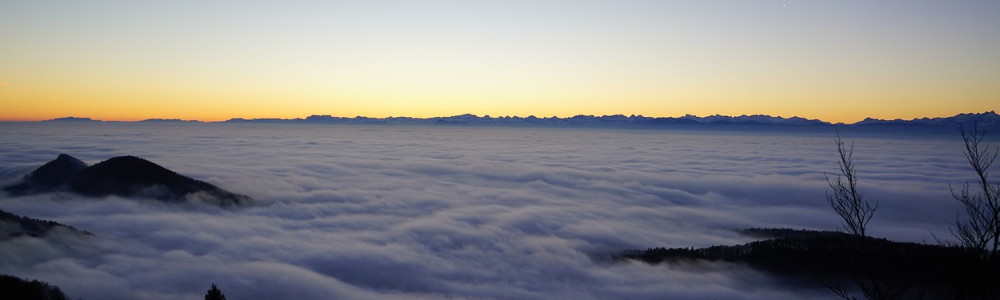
(838, 61)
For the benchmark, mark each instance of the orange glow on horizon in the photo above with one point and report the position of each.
(275, 60)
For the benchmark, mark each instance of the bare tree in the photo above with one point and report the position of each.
(845, 199)
(855, 213)
(981, 230)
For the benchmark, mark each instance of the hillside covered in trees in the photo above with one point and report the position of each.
(854, 265)
(835, 258)
(16, 225)
(19, 289)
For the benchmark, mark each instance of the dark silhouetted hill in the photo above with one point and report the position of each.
(49, 177)
(839, 257)
(72, 119)
(125, 176)
(12, 225)
(14, 288)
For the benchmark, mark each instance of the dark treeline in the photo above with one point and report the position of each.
(832, 258)
(12, 287)
(773, 233)
(854, 265)
(30, 226)
(19, 289)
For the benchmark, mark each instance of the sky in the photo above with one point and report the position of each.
(838, 61)
(357, 212)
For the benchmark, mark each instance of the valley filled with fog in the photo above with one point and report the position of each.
(433, 212)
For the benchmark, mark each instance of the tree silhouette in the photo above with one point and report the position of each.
(214, 294)
(855, 266)
(980, 231)
(17, 288)
(871, 276)
(845, 200)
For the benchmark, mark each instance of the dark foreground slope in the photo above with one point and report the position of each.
(12, 226)
(125, 176)
(19, 289)
(830, 258)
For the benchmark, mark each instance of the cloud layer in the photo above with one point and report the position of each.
(350, 212)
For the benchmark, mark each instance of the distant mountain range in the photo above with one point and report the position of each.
(986, 120)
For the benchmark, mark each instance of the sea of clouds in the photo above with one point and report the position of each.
(389, 212)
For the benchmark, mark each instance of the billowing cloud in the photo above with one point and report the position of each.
(349, 212)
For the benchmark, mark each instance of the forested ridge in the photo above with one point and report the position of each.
(854, 265)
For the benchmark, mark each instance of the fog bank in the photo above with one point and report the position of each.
(354, 212)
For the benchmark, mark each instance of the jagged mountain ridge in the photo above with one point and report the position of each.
(578, 120)
(988, 119)
(125, 176)
(985, 120)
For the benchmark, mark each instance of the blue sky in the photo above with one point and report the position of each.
(832, 60)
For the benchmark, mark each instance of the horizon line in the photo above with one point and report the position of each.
(485, 116)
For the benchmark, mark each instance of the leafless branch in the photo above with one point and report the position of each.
(845, 199)
(980, 230)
